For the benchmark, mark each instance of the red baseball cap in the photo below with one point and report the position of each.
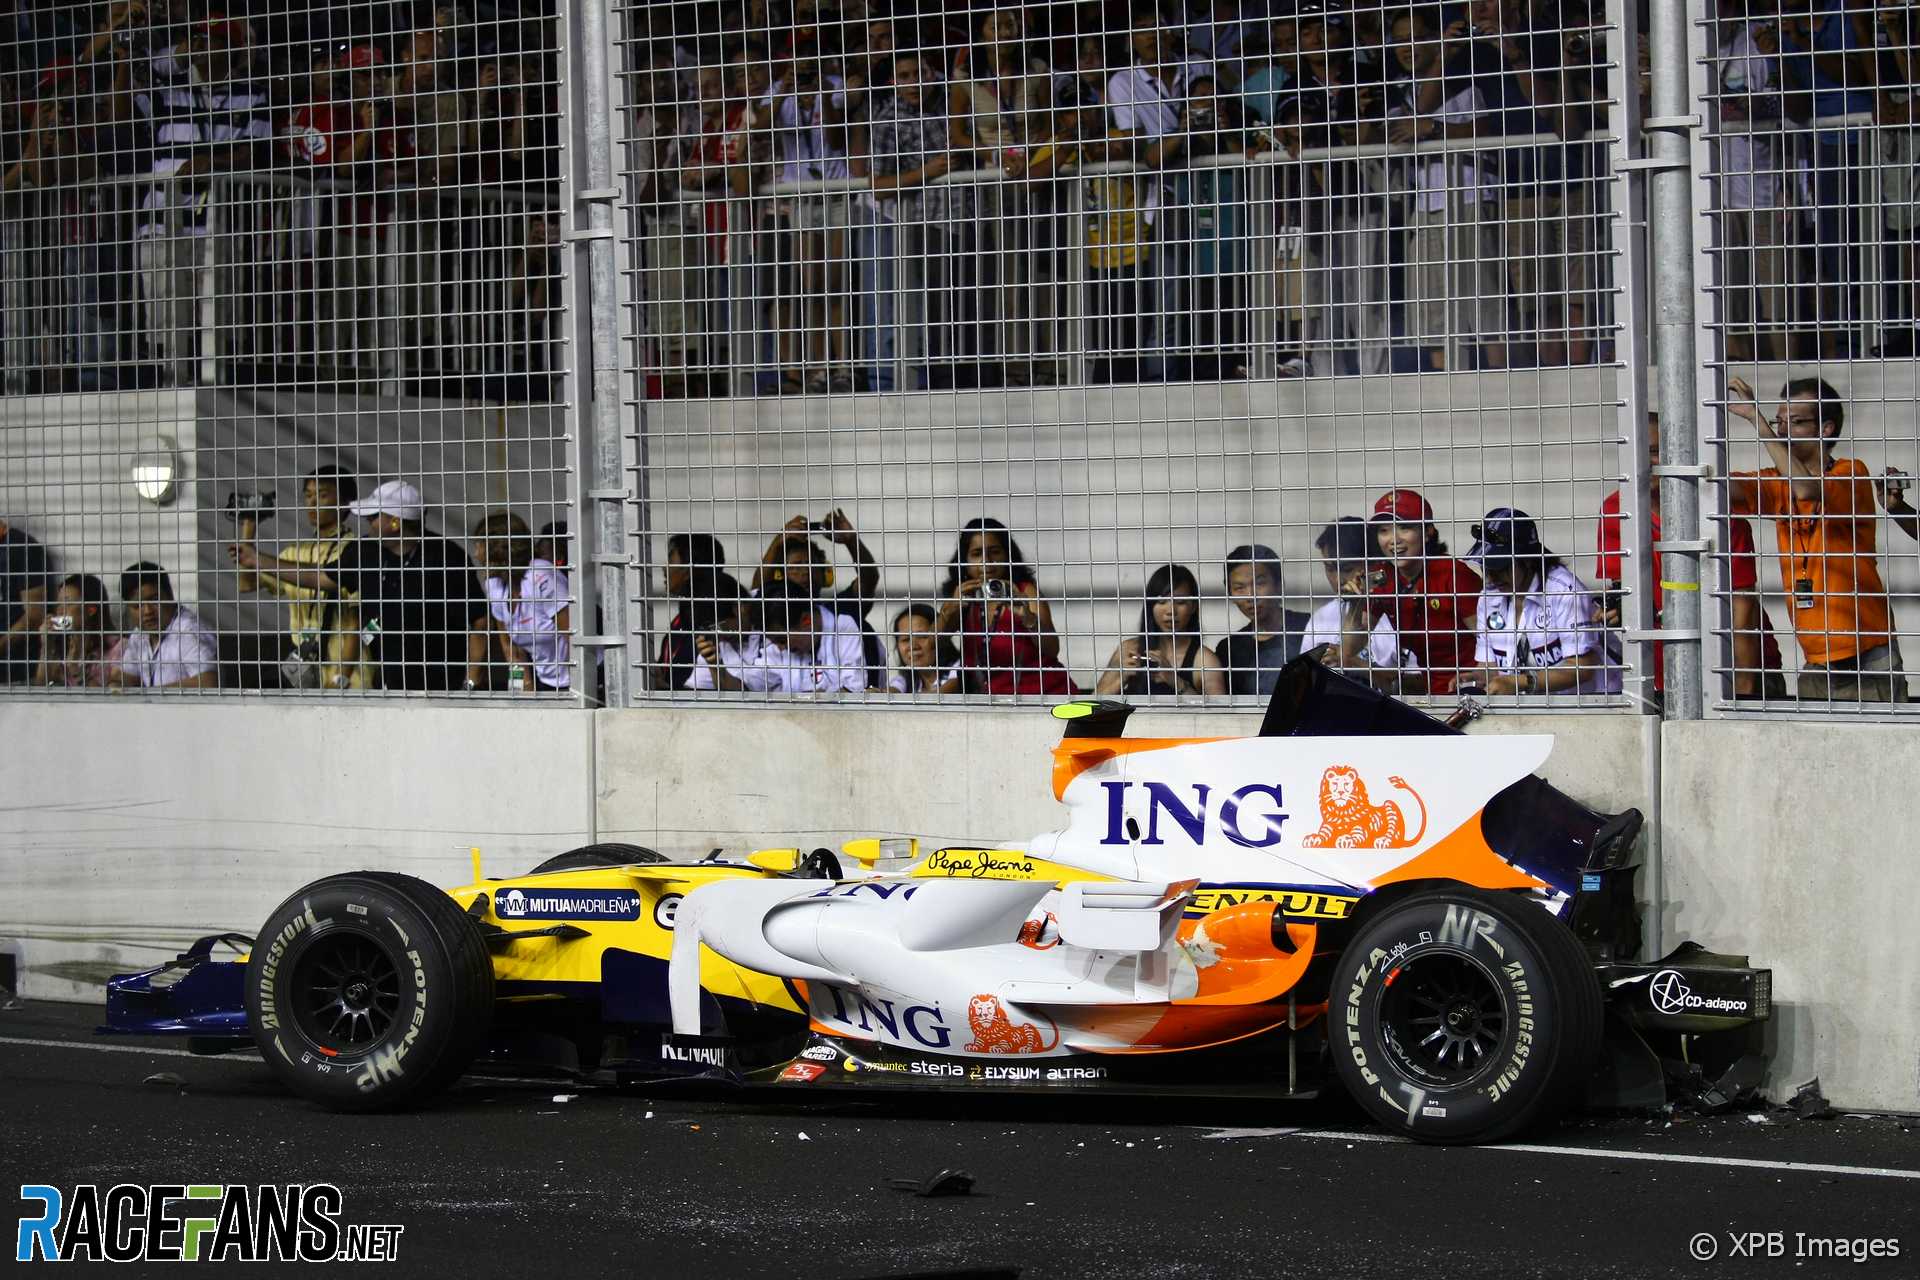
(363, 55)
(58, 72)
(1403, 506)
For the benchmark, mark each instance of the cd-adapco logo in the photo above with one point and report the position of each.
(1671, 994)
(181, 1222)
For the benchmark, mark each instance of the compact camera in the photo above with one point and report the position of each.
(997, 589)
(250, 504)
(59, 622)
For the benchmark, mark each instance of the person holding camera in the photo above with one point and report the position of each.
(1345, 626)
(1167, 656)
(323, 625)
(992, 600)
(793, 557)
(73, 638)
(1428, 595)
(1534, 632)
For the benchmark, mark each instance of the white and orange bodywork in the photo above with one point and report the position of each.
(1177, 909)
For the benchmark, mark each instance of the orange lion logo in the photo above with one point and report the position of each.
(1348, 821)
(994, 1032)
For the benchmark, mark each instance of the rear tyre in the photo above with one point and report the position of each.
(611, 854)
(369, 992)
(1460, 1015)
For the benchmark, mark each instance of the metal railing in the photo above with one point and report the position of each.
(1232, 267)
(143, 281)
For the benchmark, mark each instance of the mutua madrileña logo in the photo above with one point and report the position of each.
(184, 1222)
(566, 904)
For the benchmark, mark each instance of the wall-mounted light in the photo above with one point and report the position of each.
(155, 470)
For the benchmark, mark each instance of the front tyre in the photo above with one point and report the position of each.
(1459, 1015)
(369, 991)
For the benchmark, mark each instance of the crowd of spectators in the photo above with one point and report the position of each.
(390, 604)
(815, 169)
(385, 103)
(1509, 617)
(377, 599)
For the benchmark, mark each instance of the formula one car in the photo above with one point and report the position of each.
(1359, 894)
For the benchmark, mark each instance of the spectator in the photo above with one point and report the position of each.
(927, 660)
(552, 544)
(436, 125)
(793, 558)
(74, 637)
(1217, 34)
(211, 120)
(1117, 237)
(1215, 198)
(991, 597)
(1823, 509)
(166, 646)
(1756, 654)
(1148, 103)
(691, 558)
(1166, 654)
(323, 627)
(416, 591)
(798, 648)
(1456, 292)
(910, 143)
(1345, 626)
(1898, 163)
(1253, 656)
(1827, 52)
(1267, 87)
(715, 623)
(334, 137)
(1534, 624)
(1001, 95)
(1430, 597)
(808, 120)
(523, 641)
(1341, 206)
(1760, 187)
(24, 578)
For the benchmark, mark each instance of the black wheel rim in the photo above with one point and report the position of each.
(346, 993)
(1443, 1019)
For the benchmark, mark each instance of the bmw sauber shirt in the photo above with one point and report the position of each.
(1553, 625)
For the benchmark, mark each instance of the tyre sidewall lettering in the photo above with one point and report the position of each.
(1518, 977)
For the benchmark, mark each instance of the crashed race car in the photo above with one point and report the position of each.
(1359, 895)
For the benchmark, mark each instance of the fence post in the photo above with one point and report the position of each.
(594, 402)
(1679, 548)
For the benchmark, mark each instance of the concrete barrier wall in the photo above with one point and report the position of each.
(133, 828)
(1794, 842)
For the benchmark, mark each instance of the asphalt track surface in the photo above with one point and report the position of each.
(500, 1179)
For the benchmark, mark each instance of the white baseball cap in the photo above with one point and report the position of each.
(394, 498)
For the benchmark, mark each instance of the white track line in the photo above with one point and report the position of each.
(1655, 1157)
(243, 1055)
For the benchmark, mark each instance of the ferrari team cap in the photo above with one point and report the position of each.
(362, 55)
(394, 498)
(1403, 506)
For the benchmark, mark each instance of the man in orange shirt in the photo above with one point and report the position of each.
(1825, 514)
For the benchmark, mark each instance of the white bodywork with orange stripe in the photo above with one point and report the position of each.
(1101, 951)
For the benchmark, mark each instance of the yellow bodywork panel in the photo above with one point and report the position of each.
(635, 906)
